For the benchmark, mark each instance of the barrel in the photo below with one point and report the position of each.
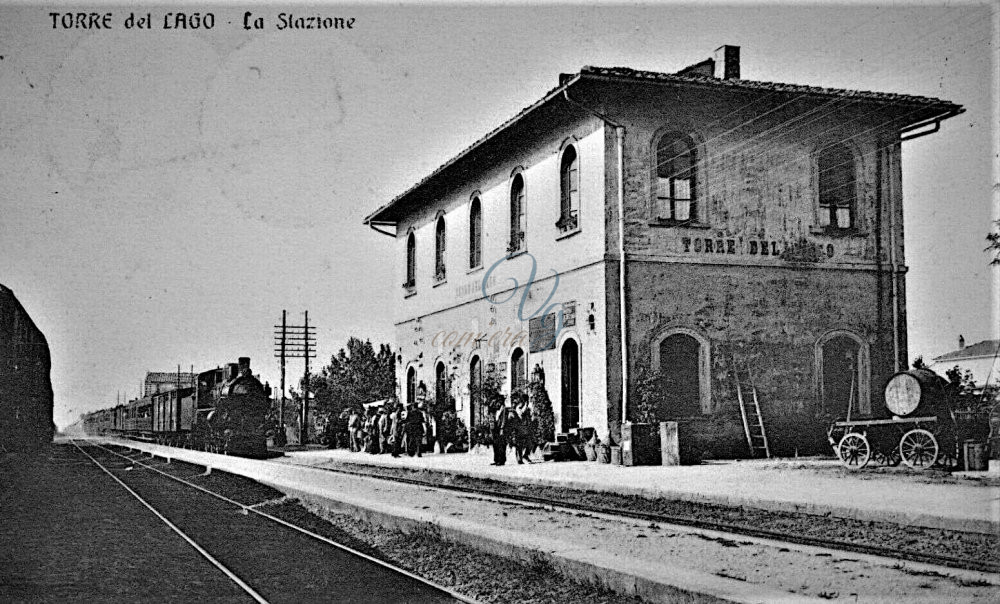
(974, 453)
(913, 391)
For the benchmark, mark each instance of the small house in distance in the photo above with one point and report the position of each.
(164, 381)
(687, 225)
(981, 359)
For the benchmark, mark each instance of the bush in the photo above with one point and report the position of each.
(482, 434)
(649, 390)
(542, 414)
(452, 430)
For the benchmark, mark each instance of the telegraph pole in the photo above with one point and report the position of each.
(295, 342)
(304, 424)
(281, 409)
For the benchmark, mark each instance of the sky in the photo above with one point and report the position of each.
(165, 194)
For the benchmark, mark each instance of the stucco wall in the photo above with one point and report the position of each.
(442, 337)
(538, 164)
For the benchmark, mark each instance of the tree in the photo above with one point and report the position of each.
(994, 243)
(355, 376)
(541, 406)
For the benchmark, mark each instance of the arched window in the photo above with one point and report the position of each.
(570, 361)
(518, 371)
(569, 190)
(675, 178)
(518, 222)
(475, 233)
(439, 244)
(411, 261)
(681, 360)
(837, 188)
(411, 385)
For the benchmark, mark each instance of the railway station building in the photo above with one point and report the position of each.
(688, 226)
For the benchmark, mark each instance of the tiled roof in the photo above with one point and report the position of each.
(936, 106)
(653, 76)
(986, 348)
(163, 377)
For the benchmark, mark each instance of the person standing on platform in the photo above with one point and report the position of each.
(384, 429)
(397, 429)
(525, 441)
(414, 427)
(499, 434)
(513, 428)
(354, 429)
(371, 431)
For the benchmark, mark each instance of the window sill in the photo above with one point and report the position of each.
(438, 282)
(832, 232)
(683, 224)
(517, 253)
(410, 293)
(474, 269)
(567, 234)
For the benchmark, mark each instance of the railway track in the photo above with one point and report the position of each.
(234, 545)
(511, 493)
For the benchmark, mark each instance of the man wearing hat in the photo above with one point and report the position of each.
(384, 428)
(499, 432)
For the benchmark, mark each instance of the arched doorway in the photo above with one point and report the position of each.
(840, 368)
(518, 372)
(570, 408)
(441, 395)
(480, 414)
(679, 356)
(411, 386)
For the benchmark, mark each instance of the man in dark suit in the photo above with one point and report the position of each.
(499, 433)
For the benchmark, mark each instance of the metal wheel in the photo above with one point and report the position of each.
(919, 449)
(948, 457)
(854, 451)
(886, 457)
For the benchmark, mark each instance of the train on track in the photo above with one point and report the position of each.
(224, 411)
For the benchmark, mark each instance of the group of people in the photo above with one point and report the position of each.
(512, 426)
(395, 428)
(392, 428)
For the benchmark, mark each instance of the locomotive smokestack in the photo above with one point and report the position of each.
(232, 370)
(244, 364)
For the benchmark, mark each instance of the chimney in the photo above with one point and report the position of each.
(727, 62)
(961, 342)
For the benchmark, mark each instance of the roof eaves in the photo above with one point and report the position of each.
(620, 73)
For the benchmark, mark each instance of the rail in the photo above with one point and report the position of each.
(251, 509)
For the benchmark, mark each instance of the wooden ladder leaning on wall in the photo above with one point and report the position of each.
(753, 421)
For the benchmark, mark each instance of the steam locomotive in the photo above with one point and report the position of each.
(224, 411)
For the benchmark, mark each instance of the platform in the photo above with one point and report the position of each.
(814, 486)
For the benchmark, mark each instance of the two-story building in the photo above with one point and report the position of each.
(694, 220)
